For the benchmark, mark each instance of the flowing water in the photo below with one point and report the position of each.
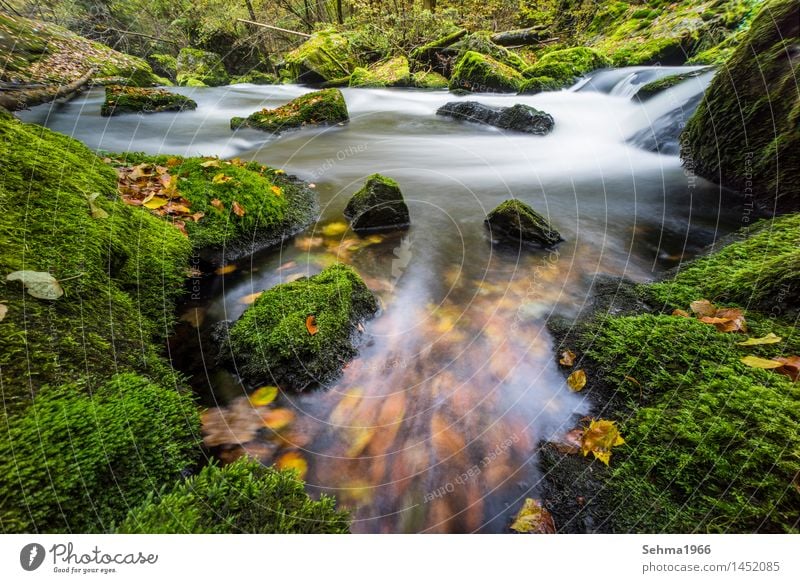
(435, 426)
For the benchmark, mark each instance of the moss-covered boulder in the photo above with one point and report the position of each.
(302, 333)
(82, 456)
(558, 69)
(256, 78)
(479, 73)
(480, 42)
(653, 88)
(745, 134)
(239, 208)
(325, 56)
(120, 99)
(164, 65)
(515, 222)
(429, 54)
(243, 497)
(199, 68)
(379, 205)
(393, 72)
(324, 107)
(429, 80)
(519, 117)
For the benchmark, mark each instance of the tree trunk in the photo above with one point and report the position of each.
(22, 98)
(524, 36)
(263, 45)
(339, 15)
(429, 5)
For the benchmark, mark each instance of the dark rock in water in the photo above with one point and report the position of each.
(663, 133)
(516, 222)
(519, 117)
(379, 205)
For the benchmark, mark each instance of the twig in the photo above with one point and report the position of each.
(163, 40)
(274, 28)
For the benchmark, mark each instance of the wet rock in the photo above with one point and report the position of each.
(323, 57)
(516, 222)
(481, 73)
(519, 117)
(120, 99)
(393, 72)
(379, 205)
(197, 68)
(276, 342)
(323, 107)
(559, 69)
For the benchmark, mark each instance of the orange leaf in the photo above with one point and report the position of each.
(533, 518)
(681, 313)
(790, 368)
(276, 190)
(277, 418)
(599, 438)
(226, 269)
(217, 204)
(311, 324)
(567, 358)
(238, 209)
(293, 461)
(703, 308)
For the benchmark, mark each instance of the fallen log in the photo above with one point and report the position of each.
(17, 99)
(522, 36)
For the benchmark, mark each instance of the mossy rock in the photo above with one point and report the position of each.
(324, 107)
(272, 205)
(539, 84)
(745, 134)
(242, 497)
(164, 65)
(427, 52)
(256, 78)
(515, 222)
(120, 99)
(325, 56)
(561, 68)
(479, 73)
(379, 205)
(82, 456)
(429, 80)
(121, 274)
(480, 42)
(274, 341)
(653, 88)
(393, 72)
(198, 68)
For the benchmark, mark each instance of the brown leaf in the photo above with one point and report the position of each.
(567, 358)
(217, 204)
(790, 368)
(571, 443)
(703, 308)
(533, 518)
(681, 313)
(3, 311)
(238, 209)
(311, 324)
(276, 419)
(577, 380)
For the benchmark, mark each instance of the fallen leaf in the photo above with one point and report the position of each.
(172, 162)
(681, 313)
(577, 380)
(220, 178)
(217, 204)
(334, 229)
(194, 317)
(533, 518)
(197, 216)
(263, 396)
(735, 318)
(155, 202)
(703, 308)
(311, 324)
(567, 358)
(758, 362)
(359, 440)
(790, 368)
(308, 243)
(226, 269)
(238, 209)
(599, 438)
(276, 419)
(768, 339)
(276, 190)
(250, 298)
(571, 443)
(210, 164)
(39, 284)
(3, 311)
(293, 461)
(96, 211)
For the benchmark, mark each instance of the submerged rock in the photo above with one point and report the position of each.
(198, 68)
(744, 134)
(323, 57)
(323, 107)
(378, 205)
(519, 117)
(653, 88)
(302, 333)
(516, 222)
(481, 73)
(121, 99)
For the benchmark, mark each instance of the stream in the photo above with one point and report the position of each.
(434, 427)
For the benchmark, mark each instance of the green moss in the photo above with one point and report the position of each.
(745, 133)
(256, 78)
(195, 67)
(271, 342)
(477, 72)
(243, 497)
(164, 65)
(120, 99)
(378, 205)
(393, 72)
(516, 222)
(131, 71)
(121, 275)
(77, 462)
(316, 108)
(562, 68)
(429, 80)
(711, 443)
(427, 51)
(326, 55)
(648, 90)
(539, 84)
(481, 43)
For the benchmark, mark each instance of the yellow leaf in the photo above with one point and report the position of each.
(226, 269)
(210, 164)
(293, 461)
(3, 311)
(334, 229)
(156, 202)
(220, 178)
(277, 418)
(94, 209)
(533, 518)
(263, 396)
(577, 380)
(360, 438)
(768, 339)
(276, 190)
(250, 298)
(39, 284)
(346, 406)
(757, 362)
(567, 358)
(599, 438)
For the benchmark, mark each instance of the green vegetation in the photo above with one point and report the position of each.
(317, 108)
(243, 497)
(325, 56)
(120, 99)
(82, 456)
(648, 90)
(198, 68)
(391, 73)
(429, 80)
(561, 68)
(746, 131)
(273, 340)
(164, 65)
(256, 78)
(516, 222)
(479, 73)
(480, 43)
